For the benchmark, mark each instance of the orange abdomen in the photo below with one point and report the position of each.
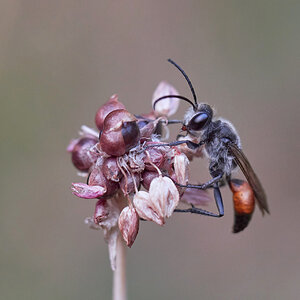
(243, 203)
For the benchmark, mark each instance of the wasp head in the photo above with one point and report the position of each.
(195, 121)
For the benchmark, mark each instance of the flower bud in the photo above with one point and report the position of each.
(156, 157)
(168, 106)
(82, 190)
(104, 110)
(111, 170)
(82, 157)
(164, 196)
(96, 178)
(145, 208)
(181, 163)
(101, 211)
(120, 133)
(127, 184)
(148, 176)
(129, 224)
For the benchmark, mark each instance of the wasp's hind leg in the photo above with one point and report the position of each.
(200, 211)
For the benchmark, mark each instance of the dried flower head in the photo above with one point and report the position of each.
(125, 156)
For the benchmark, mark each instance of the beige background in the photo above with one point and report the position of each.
(60, 60)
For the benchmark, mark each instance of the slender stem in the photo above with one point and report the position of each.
(119, 284)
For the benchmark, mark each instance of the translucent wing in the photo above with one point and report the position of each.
(251, 177)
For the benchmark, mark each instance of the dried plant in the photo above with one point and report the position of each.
(131, 173)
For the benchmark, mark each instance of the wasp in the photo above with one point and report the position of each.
(222, 146)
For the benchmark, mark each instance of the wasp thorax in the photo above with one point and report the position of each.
(111, 105)
(82, 157)
(120, 133)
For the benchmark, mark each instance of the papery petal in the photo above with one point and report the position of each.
(168, 106)
(181, 164)
(88, 131)
(82, 190)
(72, 145)
(164, 196)
(129, 224)
(173, 197)
(145, 209)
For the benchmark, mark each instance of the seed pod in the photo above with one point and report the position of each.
(120, 133)
(82, 158)
(111, 170)
(244, 203)
(127, 184)
(101, 211)
(104, 110)
(156, 157)
(96, 178)
(148, 176)
(129, 224)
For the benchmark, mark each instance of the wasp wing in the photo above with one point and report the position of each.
(251, 177)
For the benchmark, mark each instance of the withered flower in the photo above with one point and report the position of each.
(129, 224)
(164, 196)
(123, 158)
(166, 107)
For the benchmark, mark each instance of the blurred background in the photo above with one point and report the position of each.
(60, 60)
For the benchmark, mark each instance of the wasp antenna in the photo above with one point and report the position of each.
(187, 79)
(174, 96)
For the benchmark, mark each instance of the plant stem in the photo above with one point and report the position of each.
(119, 284)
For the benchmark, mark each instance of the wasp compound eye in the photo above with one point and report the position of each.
(198, 122)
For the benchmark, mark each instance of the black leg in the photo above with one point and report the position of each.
(190, 144)
(203, 186)
(199, 211)
(175, 122)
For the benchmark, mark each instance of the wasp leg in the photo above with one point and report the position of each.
(175, 122)
(199, 211)
(203, 186)
(190, 144)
